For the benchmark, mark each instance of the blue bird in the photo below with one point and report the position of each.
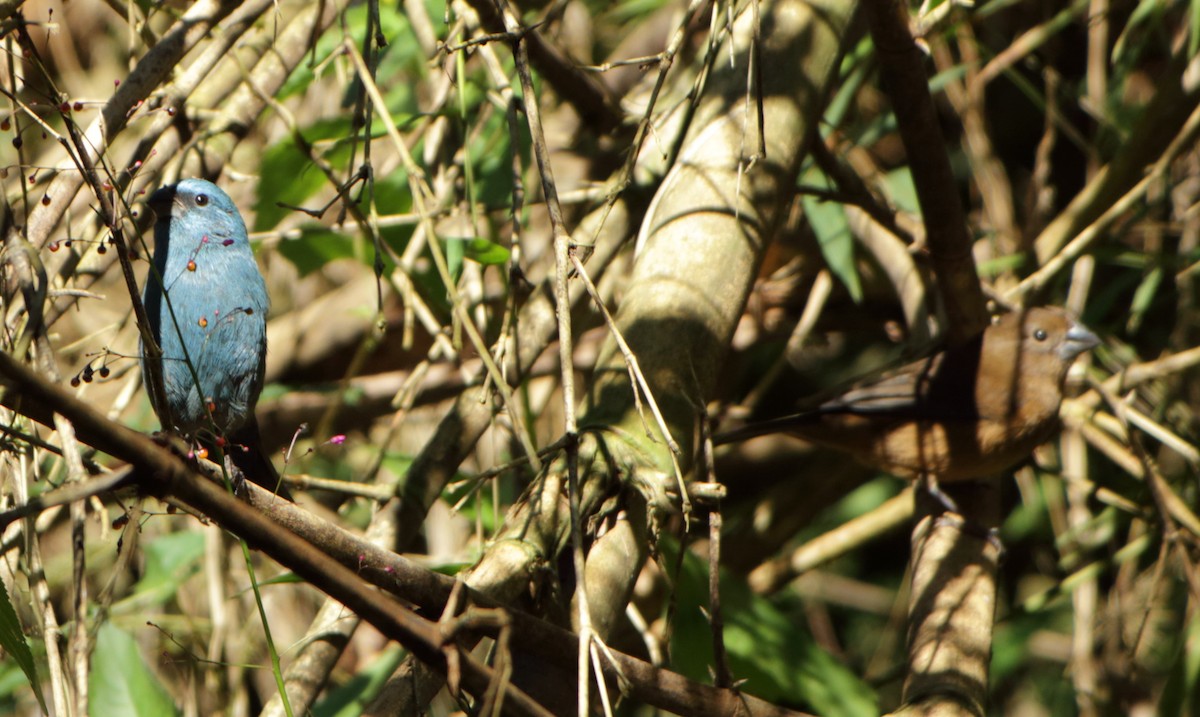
(211, 323)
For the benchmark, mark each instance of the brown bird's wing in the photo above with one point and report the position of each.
(972, 410)
(940, 387)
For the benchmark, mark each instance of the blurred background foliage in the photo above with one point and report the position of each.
(1097, 610)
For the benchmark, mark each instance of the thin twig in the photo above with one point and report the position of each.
(419, 193)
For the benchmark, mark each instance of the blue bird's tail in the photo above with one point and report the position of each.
(245, 451)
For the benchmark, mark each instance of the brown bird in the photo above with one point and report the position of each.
(967, 412)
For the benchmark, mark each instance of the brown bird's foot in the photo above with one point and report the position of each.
(970, 527)
(930, 485)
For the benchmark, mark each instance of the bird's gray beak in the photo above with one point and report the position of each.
(1079, 340)
(161, 202)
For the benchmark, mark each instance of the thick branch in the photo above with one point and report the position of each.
(342, 565)
(901, 63)
(167, 473)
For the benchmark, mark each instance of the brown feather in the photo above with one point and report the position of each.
(966, 412)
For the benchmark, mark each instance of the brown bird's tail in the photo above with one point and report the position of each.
(763, 428)
(245, 451)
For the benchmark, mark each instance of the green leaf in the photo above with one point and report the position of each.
(293, 178)
(1140, 33)
(480, 250)
(1194, 28)
(284, 579)
(397, 463)
(121, 683)
(315, 247)
(629, 11)
(12, 639)
(454, 256)
(996, 266)
(351, 698)
(492, 157)
(901, 191)
(1181, 694)
(856, 67)
(170, 560)
(778, 659)
(401, 58)
(477, 502)
(450, 569)
(1143, 298)
(828, 222)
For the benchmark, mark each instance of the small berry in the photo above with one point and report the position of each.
(105, 371)
(202, 323)
(191, 265)
(78, 105)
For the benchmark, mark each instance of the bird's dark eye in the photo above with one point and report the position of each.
(1040, 334)
(201, 200)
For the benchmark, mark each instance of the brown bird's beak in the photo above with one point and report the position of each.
(161, 202)
(1078, 340)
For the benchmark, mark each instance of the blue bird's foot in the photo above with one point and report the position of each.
(245, 449)
(237, 478)
(172, 442)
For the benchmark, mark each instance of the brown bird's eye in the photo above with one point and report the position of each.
(201, 200)
(1040, 334)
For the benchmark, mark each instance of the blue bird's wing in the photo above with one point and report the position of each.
(214, 345)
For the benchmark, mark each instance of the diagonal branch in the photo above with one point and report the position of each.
(949, 243)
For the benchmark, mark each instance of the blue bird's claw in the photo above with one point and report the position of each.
(237, 478)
